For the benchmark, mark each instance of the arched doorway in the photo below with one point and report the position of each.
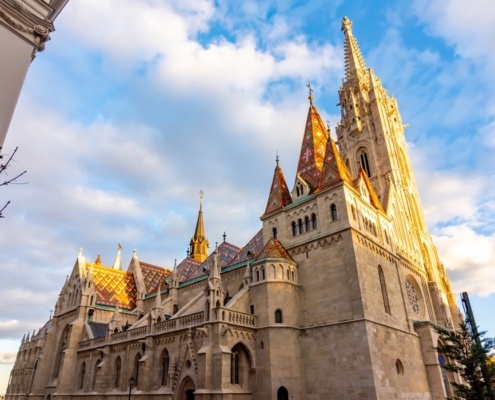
(187, 389)
(282, 393)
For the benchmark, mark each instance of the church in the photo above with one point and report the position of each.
(337, 296)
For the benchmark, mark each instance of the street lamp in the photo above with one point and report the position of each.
(131, 384)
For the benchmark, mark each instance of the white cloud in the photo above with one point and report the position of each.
(7, 358)
(469, 258)
(466, 24)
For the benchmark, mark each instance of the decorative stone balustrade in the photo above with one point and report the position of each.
(239, 318)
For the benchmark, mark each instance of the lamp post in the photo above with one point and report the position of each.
(131, 384)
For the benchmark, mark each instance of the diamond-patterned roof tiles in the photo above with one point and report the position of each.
(334, 168)
(226, 252)
(279, 193)
(154, 276)
(313, 149)
(273, 249)
(112, 286)
(253, 247)
(186, 268)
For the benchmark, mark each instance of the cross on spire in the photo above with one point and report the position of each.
(310, 97)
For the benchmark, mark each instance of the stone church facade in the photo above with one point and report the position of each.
(336, 297)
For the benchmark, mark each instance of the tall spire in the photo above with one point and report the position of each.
(354, 62)
(279, 195)
(313, 147)
(199, 243)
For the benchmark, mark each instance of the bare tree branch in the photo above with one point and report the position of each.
(13, 180)
(3, 167)
(4, 207)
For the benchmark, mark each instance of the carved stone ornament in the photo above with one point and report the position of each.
(40, 33)
(412, 296)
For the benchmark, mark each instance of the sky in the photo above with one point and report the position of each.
(136, 106)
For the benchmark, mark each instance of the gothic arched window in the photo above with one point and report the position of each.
(82, 374)
(118, 367)
(136, 370)
(294, 229)
(383, 285)
(240, 366)
(300, 225)
(278, 316)
(95, 375)
(365, 165)
(314, 223)
(274, 233)
(306, 224)
(234, 366)
(165, 365)
(333, 211)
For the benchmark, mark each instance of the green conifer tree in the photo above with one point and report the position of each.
(467, 356)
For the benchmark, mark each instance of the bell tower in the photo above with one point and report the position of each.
(371, 140)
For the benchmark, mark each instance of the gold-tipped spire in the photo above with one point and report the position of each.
(199, 243)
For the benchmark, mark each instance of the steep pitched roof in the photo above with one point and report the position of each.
(189, 268)
(279, 195)
(186, 268)
(113, 286)
(225, 252)
(273, 249)
(154, 276)
(253, 247)
(334, 168)
(313, 148)
(374, 200)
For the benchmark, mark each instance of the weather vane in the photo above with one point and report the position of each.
(201, 193)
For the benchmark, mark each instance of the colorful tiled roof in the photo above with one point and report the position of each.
(226, 252)
(154, 276)
(313, 148)
(185, 269)
(279, 195)
(253, 247)
(112, 286)
(334, 168)
(273, 249)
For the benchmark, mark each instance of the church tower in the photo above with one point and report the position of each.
(198, 247)
(371, 281)
(371, 139)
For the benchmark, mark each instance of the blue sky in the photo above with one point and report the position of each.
(136, 106)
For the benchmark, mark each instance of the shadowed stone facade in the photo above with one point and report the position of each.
(336, 297)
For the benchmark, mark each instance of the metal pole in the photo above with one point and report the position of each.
(131, 384)
(466, 304)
